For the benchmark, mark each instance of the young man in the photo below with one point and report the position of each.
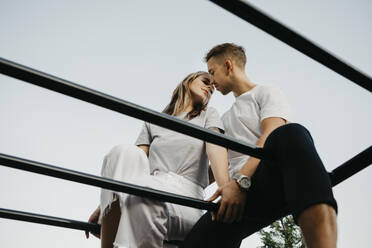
(293, 180)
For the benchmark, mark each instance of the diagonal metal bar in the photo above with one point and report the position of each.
(341, 173)
(346, 170)
(352, 166)
(85, 178)
(48, 220)
(273, 27)
(50, 82)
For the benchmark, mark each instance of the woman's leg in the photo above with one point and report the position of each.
(109, 225)
(123, 163)
(143, 223)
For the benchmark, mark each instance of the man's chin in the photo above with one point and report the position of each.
(224, 92)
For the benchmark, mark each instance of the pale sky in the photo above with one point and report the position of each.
(139, 51)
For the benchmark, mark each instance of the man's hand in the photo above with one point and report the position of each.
(232, 203)
(94, 219)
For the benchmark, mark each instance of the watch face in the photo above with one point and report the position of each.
(245, 182)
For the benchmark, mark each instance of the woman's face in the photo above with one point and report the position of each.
(201, 89)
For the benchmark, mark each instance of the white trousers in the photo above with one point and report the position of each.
(146, 223)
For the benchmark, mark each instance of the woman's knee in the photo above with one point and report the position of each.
(127, 152)
(124, 149)
(119, 156)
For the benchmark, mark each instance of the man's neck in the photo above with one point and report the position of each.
(241, 85)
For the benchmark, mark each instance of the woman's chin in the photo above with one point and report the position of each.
(200, 99)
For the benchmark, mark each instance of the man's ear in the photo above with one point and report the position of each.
(228, 66)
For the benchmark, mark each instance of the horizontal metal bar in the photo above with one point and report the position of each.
(106, 183)
(56, 221)
(86, 226)
(49, 220)
(352, 166)
(271, 26)
(92, 96)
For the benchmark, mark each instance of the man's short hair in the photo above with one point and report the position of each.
(228, 50)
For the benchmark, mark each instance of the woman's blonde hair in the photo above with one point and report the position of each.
(182, 96)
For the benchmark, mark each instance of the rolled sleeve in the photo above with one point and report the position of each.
(273, 103)
(144, 138)
(213, 119)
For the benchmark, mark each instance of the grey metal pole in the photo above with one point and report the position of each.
(84, 178)
(48, 220)
(68, 88)
(273, 27)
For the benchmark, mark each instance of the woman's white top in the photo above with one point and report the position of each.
(243, 120)
(179, 153)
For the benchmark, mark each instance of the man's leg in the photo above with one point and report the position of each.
(307, 185)
(318, 225)
(211, 234)
(265, 204)
(295, 178)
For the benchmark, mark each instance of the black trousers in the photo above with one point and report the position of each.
(288, 183)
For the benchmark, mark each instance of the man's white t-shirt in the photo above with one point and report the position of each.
(243, 120)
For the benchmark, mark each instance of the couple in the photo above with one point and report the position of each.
(294, 177)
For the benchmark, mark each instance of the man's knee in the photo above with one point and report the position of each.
(293, 131)
(289, 139)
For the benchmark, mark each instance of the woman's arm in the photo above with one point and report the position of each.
(218, 158)
(145, 148)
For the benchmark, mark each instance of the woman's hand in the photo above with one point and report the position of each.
(94, 219)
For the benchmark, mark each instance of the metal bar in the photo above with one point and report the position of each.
(271, 26)
(352, 166)
(341, 173)
(346, 170)
(98, 98)
(49, 220)
(55, 221)
(84, 178)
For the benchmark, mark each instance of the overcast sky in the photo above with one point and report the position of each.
(139, 51)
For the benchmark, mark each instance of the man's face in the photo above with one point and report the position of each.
(219, 74)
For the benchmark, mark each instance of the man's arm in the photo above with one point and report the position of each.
(233, 198)
(267, 126)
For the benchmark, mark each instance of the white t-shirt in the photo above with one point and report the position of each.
(243, 120)
(179, 153)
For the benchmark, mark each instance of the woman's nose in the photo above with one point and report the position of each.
(211, 87)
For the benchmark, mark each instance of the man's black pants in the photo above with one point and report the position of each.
(291, 181)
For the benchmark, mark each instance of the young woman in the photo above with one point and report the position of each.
(164, 160)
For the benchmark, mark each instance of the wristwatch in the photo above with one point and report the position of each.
(243, 181)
